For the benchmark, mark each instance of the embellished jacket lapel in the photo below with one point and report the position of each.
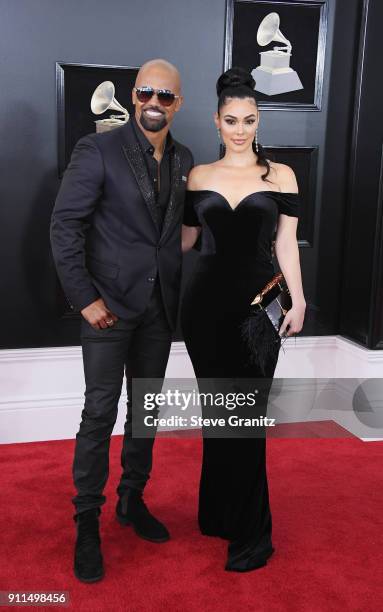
(134, 156)
(175, 180)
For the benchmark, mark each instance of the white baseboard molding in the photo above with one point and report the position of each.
(42, 390)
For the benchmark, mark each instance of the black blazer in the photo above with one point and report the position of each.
(104, 235)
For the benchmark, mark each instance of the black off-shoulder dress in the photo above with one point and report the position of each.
(235, 263)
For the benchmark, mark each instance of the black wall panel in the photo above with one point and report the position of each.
(35, 34)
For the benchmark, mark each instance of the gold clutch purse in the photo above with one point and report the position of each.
(260, 330)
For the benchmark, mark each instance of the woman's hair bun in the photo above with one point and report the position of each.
(235, 77)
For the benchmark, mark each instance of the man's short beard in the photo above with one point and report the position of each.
(153, 125)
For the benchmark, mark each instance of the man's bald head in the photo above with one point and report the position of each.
(160, 74)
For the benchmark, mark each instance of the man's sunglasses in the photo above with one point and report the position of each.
(165, 96)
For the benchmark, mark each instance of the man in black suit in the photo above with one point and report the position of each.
(116, 241)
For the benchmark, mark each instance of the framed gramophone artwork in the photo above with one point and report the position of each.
(282, 44)
(90, 97)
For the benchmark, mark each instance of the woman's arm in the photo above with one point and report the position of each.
(287, 253)
(190, 233)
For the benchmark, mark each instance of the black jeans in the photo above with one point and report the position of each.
(141, 348)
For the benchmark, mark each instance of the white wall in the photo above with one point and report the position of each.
(42, 389)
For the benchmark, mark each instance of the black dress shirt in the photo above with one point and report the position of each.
(158, 172)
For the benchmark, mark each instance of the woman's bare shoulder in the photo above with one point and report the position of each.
(199, 176)
(279, 167)
(284, 176)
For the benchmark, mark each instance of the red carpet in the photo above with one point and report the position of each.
(326, 499)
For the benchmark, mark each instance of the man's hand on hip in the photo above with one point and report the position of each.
(98, 315)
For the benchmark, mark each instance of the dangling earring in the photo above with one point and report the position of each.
(220, 137)
(256, 140)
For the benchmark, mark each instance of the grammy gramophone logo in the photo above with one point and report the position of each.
(103, 99)
(274, 74)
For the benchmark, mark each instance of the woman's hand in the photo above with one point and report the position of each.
(189, 237)
(293, 320)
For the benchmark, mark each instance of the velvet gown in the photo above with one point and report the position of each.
(235, 262)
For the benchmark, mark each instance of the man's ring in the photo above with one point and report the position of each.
(109, 321)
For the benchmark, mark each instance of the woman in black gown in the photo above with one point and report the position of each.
(228, 202)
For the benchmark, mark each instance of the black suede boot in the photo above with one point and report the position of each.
(88, 563)
(131, 510)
